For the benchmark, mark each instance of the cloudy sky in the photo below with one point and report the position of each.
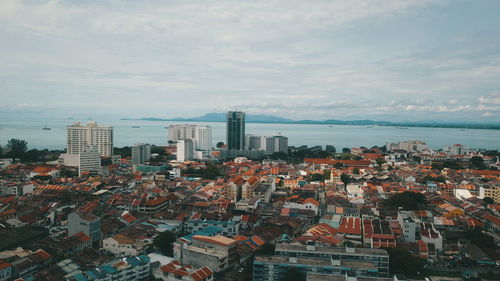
(352, 59)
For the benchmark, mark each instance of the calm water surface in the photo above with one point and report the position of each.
(338, 135)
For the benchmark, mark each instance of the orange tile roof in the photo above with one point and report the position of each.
(492, 219)
(312, 201)
(350, 226)
(4, 264)
(202, 273)
(218, 239)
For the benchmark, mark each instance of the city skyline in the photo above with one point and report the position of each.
(403, 60)
(346, 140)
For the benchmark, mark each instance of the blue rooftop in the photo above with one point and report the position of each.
(108, 269)
(207, 231)
(80, 277)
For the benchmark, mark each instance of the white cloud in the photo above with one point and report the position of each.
(290, 57)
(491, 99)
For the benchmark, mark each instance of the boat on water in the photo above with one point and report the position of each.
(399, 127)
(330, 126)
(46, 128)
(135, 127)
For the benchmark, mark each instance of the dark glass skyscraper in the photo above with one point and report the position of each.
(235, 130)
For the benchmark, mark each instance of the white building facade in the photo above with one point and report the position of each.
(80, 137)
(185, 149)
(201, 135)
(90, 161)
(141, 153)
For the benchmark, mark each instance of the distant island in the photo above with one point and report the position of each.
(259, 118)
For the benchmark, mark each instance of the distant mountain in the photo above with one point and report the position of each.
(221, 117)
(259, 118)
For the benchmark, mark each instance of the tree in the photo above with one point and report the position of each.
(346, 156)
(279, 156)
(68, 173)
(482, 240)
(330, 149)
(477, 162)
(488, 200)
(158, 150)
(219, 144)
(210, 172)
(339, 165)
(266, 249)
(124, 152)
(355, 171)
(345, 178)
(380, 161)
(164, 241)
(316, 177)
(1, 151)
(17, 148)
(32, 155)
(402, 261)
(346, 150)
(407, 200)
(294, 274)
(327, 174)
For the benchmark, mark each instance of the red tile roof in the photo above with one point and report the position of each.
(350, 226)
(4, 264)
(202, 273)
(492, 219)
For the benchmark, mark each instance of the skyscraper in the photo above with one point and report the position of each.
(79, 137)
(201, 135)
(235, 130)
(141, 153)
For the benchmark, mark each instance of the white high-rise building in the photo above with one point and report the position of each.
(409, 146)
(277, 144)
(141, 153)
(269, 144)
(79, 137)
(185, 149)
(90, 161)
(201, 135)
(456, 149)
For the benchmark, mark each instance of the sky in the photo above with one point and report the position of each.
(394, 60)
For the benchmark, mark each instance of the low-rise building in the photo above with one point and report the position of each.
(121, 244)
(5, 271)
(217, 252)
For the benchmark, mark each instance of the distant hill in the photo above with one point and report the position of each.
(259, 118)
(221, 117)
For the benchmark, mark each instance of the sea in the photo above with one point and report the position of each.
(129, 132)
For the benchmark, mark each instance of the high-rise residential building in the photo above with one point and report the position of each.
(185, 148)
(90, 161)
(140, 153)
(456, 149)
(269, 144)
(80, 137)
(276, 144)
(201, 135)
(235, 130)
(409, 145)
